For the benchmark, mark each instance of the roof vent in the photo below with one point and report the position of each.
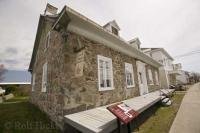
(50, 10)
(112, 27)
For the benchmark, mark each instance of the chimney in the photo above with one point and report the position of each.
(50, 10)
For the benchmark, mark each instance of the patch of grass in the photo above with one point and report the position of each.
(17, 115)
(163, 118)
(17, 99)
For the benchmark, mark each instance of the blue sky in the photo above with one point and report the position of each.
(171, 24)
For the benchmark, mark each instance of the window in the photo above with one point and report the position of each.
(156, 76)
(105, 73)
(47, 40)
(114, 31)
(129, 75)
(150, 77)
(33, 82)
(44, 78)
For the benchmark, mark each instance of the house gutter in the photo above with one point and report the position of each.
(83, 26)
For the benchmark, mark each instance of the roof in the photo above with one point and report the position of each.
(15, 83)
(159, 49)
(37, 39)
(83, 26)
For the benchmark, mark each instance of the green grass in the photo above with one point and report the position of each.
(163, 118)
(17, 115)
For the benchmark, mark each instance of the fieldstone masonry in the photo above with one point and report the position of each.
(73, 75)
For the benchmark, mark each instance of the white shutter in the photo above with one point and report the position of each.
(44, 78)
(47, 40)
(33, 82)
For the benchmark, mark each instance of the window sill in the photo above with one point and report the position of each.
(132, 86)
(151, 84)
(106, 89)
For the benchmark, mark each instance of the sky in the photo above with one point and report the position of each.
(171, 24)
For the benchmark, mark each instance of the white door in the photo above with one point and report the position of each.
(142, 79)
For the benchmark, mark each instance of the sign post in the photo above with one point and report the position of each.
(124, 114)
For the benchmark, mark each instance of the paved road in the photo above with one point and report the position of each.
(188, 117)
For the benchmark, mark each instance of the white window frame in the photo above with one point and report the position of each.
(105, 59)
(150, 74)
(33, 82)
(47, 41)
(44, 78)
(156, 77)
(130, 67)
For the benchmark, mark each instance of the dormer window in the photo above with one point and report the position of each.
(112, 27)
(114, 31)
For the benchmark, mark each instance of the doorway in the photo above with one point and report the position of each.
(142, 79)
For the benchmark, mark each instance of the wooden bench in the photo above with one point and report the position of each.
(100, 120)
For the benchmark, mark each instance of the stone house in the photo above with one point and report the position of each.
(78, 65)
(168, 72)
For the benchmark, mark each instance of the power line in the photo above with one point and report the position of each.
(188, 54)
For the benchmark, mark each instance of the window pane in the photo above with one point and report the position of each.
(105, 72)
(101, 78)
(108, 74)
(108, 83)
(140, 74)
(129, 74)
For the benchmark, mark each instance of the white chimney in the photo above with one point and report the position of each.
(50, 10)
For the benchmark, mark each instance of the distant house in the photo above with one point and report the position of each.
(169, 71)
(78, 65)
(20, 78)
(183, 77)
(22, 87)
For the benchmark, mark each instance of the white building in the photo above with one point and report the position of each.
(168, 71)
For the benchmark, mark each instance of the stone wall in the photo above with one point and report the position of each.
(51, 101)
(72, 83)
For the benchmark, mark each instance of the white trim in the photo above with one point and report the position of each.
(99, 57)
(44, 78)
(129, 66)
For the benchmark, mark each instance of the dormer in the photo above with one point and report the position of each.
(112, 27)
(135, 43)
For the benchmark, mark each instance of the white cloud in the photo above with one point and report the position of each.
(172, 24)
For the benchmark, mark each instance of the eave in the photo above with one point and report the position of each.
(36, 43)
(83, 26)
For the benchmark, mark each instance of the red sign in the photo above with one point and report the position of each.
(123, 112)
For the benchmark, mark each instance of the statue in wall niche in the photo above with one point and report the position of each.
(79, 69)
